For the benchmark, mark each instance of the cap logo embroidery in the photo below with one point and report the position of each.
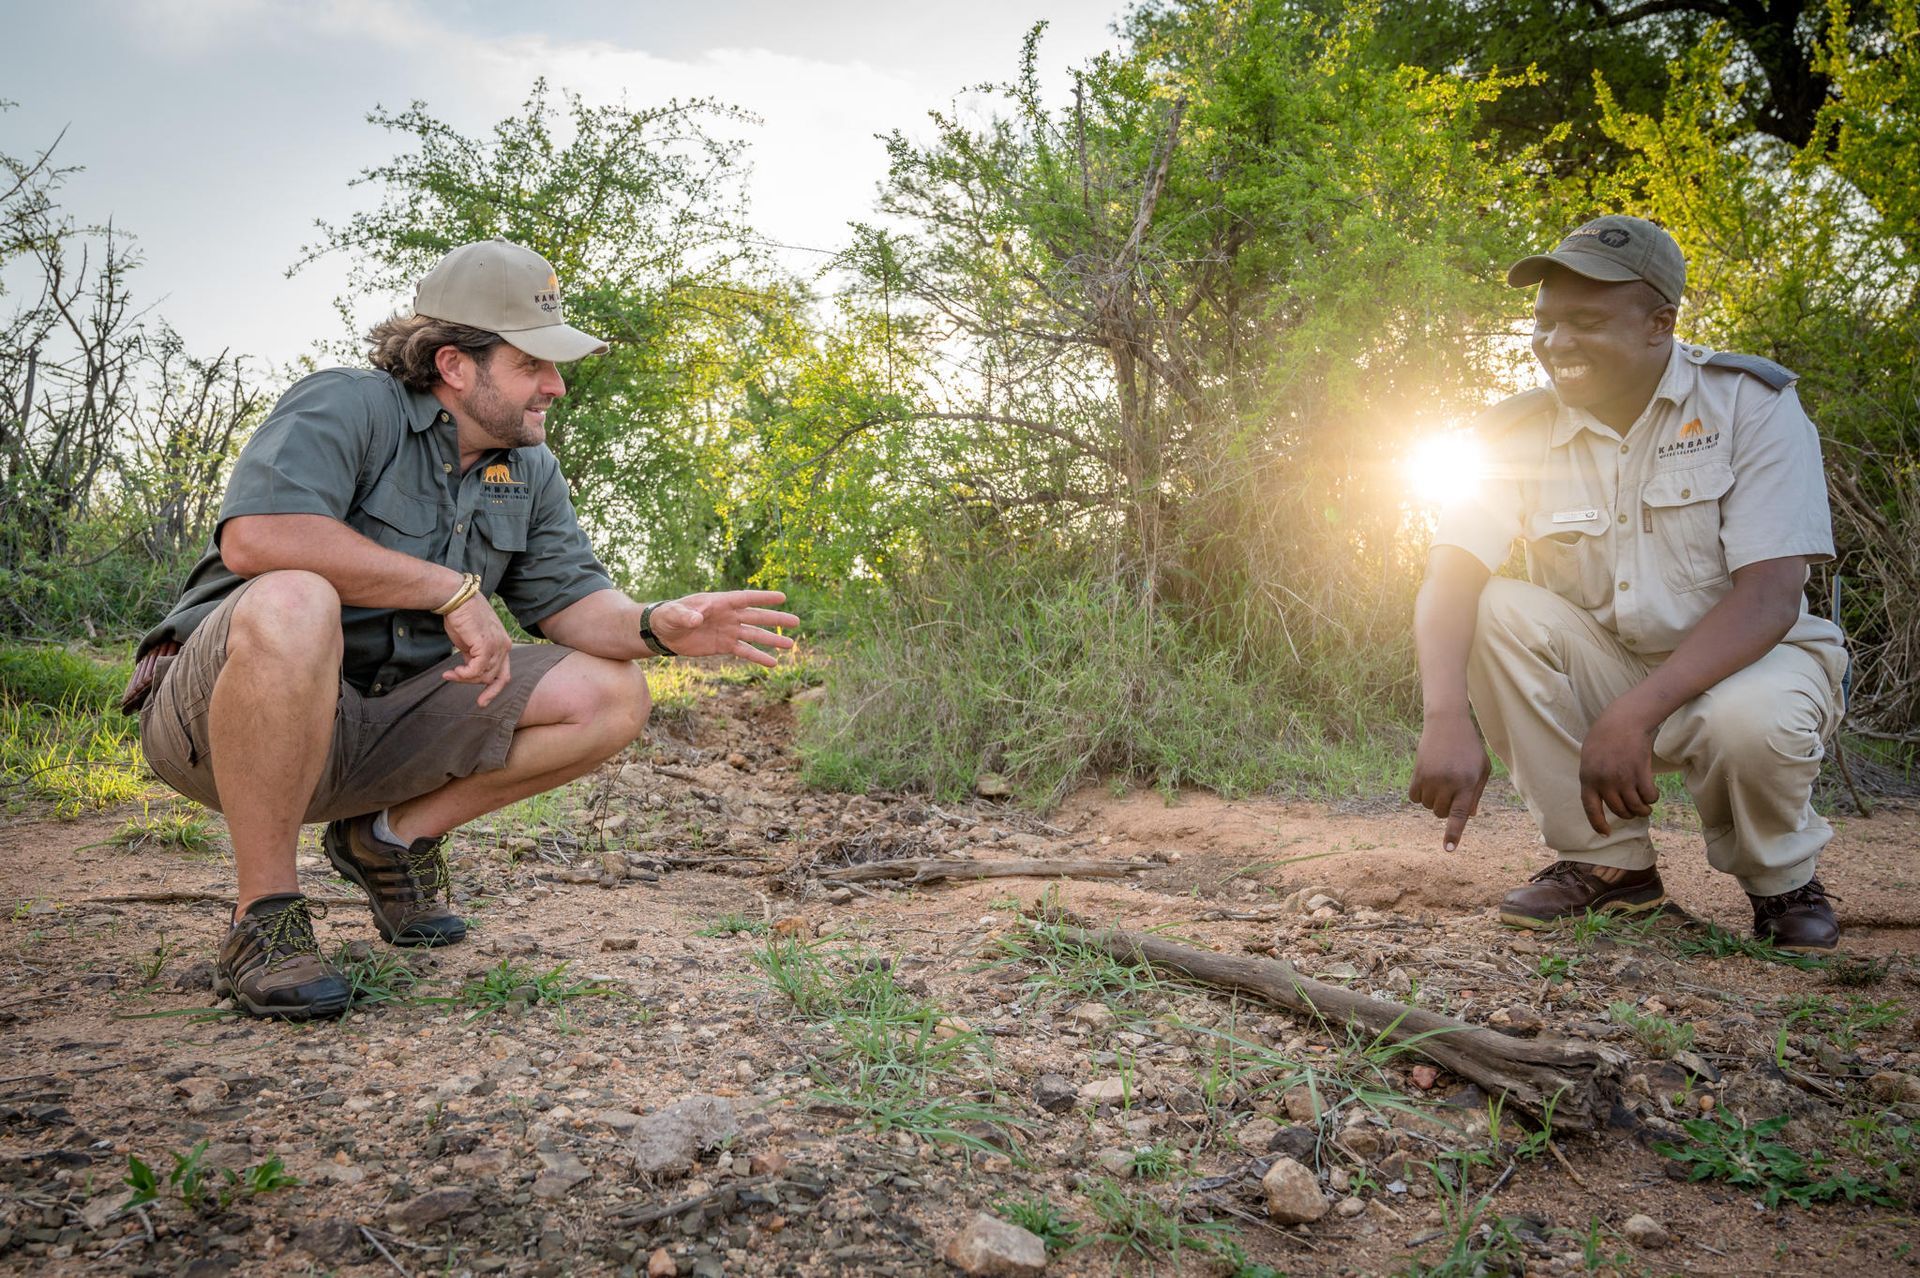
(1614, 237)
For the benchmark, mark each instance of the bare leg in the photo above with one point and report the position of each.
(270, 722)
(586, 710)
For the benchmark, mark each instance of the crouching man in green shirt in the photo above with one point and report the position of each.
(1671, 499)
(335, 657)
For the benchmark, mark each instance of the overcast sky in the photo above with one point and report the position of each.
(217, 131)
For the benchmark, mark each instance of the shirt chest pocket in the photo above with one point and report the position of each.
(1681, 509)
(503, 534)
(1566, 554)
(401, 521)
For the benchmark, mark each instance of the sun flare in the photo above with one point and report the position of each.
(1444, 468)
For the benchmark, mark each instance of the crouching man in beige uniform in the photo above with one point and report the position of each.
(335, 655)
(1671, 499)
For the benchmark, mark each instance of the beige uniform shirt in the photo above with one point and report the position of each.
(1644, 530)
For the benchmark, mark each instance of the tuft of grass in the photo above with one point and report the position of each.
(1067, 969)
(1714, 941)
(1042, 1219)
(508, 984)
(733, 924)
(898, 1063)
(192, 1180)
(1157, 1161)
(1721, 1147)
(374, 976)
(174, 827)
(1141, 1228)
(1478, 1240)
(1841, 1021)
(1656, 1033)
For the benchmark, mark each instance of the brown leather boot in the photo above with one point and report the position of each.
(1568, 889)
(1800, 921)
(403, 884)
(271, 964)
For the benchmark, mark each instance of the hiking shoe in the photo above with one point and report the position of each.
(1801, 920)
(1568, 889)
(404, 885)
(271, 965)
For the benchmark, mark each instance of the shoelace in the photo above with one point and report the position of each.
(1808, 893)
(288, 933)
(426, 862)
(1558, 870)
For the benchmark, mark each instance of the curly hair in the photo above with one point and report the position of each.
(405, 346)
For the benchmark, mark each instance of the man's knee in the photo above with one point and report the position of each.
(1759, 728)
(288, 614)
(617, 699)
(1508, 605)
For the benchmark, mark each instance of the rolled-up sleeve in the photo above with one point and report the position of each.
(305, 459)
(1777, 507)
(558, 566)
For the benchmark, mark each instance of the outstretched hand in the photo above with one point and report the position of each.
(725, 623)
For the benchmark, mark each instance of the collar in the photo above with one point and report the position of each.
(1676, 383)
(424, 411)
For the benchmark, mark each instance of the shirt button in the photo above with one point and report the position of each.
(401, 631)
(1685, 493)
(1623, 585)
(446, 468)
(1623, 448)
(1623, 519)
(460, 528)
(376, 689)
(443, 416)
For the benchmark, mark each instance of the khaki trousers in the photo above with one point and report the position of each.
(1542, 670)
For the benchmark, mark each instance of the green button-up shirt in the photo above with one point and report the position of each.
(361, 448)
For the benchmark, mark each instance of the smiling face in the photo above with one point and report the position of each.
(501, 399)
(1604, 345)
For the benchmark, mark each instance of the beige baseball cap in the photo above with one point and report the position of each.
(1613, 249)
(502, 288)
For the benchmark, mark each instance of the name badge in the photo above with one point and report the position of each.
(1575, 516)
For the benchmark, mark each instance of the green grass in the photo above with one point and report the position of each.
(507, 984)
(1656, 1033)
(194, 1183)
(732, 924)
(897, 1063)
(1041, 1218)
(63, 740)
(376, 976)
(1143, 1230)
(173, 827)
(1714, 941)
(1841, 1021)
(1723, 1148)
(1050, 672)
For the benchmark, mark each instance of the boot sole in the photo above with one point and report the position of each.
(1532, 924)
(351, 872)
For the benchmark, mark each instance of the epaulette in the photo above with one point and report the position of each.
(1766, 370)
(1512, 411)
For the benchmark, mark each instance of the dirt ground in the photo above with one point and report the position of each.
(447, 1137)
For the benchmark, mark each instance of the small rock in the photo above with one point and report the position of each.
(334, 1241)
(1054, 1093)
(203, 1093)
(1117, 1163)
(619, 944)
(1295, 1142)
(1094, 1016)
(1293, 1193)
(1350, 1207)
(767, 1164)
(1697, 1065)
(430, 1208)
(991, 785)
(104, 1208)
(1890, 1087)
(664, 1143)
(1424, 1077)
(991, 1247)
(743, 1072)
(560, 1172)
(660, 1264)
(739, 762)
(1518, 1019)
(1645, 1231)
(1256, 1135)
(1300, 1104)
(1105, 1091)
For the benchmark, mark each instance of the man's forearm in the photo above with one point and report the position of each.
(1736, 632)
(1444, 615)
(604, 624)
(364, 573)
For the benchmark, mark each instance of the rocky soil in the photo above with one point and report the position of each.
(694, 1032)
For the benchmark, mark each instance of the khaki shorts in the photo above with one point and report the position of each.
(420, 735)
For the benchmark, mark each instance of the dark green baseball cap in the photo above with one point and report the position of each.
(500, 287)
(1613, 249)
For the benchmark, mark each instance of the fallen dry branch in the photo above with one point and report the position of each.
(1576, 1079)
(931, 869)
